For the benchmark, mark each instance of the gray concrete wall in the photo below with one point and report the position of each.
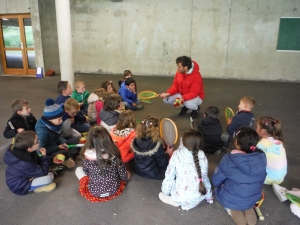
(228, 38)
(14, 6)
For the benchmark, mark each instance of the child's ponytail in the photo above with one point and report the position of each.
(148, 128)
(277, 133)
(272, 127)
(192, 140)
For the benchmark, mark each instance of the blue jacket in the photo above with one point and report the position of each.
(49, 139)
(242, 118)
(239, 179)
(61, 99)
(127, 95)
(22, 166)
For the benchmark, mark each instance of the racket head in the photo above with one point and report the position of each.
(294, 199)
(168, 131)
(148, 94)
(228, 113)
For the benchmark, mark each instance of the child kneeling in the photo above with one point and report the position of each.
(186, 177)
(103, 175)
(26, 171)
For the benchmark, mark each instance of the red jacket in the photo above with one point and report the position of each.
(124, 144)
(188, 85)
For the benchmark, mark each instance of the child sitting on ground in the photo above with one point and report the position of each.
(127, 73)
(108, 115)
(108, 86)
(211, 129)
(269, 129)
(71, 119)
(123, 134)
(96, 102)
(129, 95)
(103, 175)
(186, 182)
(244, 117)
(26, 171)
(21, 120)
(150, 158)
(65, 90)
(48, 129)
(239, 177)
(81, 95)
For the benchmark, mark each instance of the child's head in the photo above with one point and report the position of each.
(246, 140)
(71, 107)
(80, 86)
(127, 73)
(192, 140)
(246, 103)
(53, 112)
(130, 83)
(64, 88)
(108, 86)
(269, 127)
(148, 128)
(101, 93)
(126, 120)
(21, 107)
(92, 98)
(112, 102)
(27, 140)
(99, 139)
(212, 111)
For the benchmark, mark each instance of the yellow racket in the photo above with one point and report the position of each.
(168, 131)
(257, 205)
(228, 114)
(147, 94)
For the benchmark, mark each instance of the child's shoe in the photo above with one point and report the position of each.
(218, 152)
(251, 217)
(46, 188)
(295, 209)
(238, 217)
(167, 199)
(57, 170)
(279, 192)
(139, 106)
(69, 163)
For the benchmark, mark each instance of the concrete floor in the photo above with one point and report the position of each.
(139, 204)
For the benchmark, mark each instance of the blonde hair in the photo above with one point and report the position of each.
(126, 120)
(249, 100)
(79, 83)
(148, 128)
(70, 104)
(17, 105)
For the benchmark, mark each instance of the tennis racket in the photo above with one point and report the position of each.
(294, 199)
(75, 146)
(168, 132)
(191, 122)
(228, 114)
(147, 94)
(257, 205)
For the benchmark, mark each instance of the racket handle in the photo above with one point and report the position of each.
(75, 146)
(259, 214)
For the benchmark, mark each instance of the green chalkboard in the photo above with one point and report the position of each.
(289, 34)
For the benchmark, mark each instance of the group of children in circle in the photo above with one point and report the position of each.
(115, 142)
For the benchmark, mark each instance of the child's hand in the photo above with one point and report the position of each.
(133, 104)
(63, 146)
(128, 175)
(169, 150)
(72, 119)
(43, 151)
(229, 120)
(20, 130)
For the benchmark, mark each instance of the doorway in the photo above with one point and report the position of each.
(16, 45)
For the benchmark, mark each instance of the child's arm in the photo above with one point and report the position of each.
(219, 176)
(123, 172)
(44, 141)
(86, 95)
(169, 180)
(10, 131)
(233, 126)
(38, 169)
(122, 93)
(161, 157)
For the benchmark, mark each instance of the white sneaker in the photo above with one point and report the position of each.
(167, 199)
(279, 192)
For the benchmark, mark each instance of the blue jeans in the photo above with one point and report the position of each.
(130, 106)
(81, 127)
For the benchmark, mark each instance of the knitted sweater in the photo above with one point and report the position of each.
(276, 159)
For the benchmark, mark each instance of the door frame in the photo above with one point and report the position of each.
(16, 71)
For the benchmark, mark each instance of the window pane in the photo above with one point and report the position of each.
(31, 59)
(14, 59)
(28, 32)
(11, 33)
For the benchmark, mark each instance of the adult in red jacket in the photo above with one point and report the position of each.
(187, 86)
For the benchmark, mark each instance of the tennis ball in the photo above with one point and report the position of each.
(178, 102)
(82, 140)
(60, 157)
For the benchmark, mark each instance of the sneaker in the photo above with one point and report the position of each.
(139, 107)
(279, 192)
(218, 152)
(46, 188)
(69, 163)
(183, 111)
(194, 114)
(167, 199)
(238, 217)
(57, 170)
(251, 217)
